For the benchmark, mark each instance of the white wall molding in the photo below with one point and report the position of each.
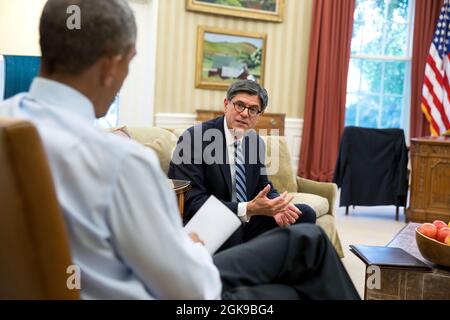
(292, 131)
(174, 120)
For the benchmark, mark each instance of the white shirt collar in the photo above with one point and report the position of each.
(61, 96)
(229, 137)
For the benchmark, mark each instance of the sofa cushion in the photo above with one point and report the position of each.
(279, 166)
(162, 141)
(179, 130)
(159, 146)
(149, 134)
(319, 204)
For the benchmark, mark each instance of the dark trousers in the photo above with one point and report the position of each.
(298, 262)
(260, 224)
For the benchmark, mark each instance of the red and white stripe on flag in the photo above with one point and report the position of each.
(436, 86)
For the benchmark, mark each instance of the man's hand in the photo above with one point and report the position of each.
(288, 216)
(194, 237)
(261, 205)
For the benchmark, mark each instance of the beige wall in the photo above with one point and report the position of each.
(19, 35)
(286, 57)
(19, 26)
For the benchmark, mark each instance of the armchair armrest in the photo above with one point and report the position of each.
(327, 190)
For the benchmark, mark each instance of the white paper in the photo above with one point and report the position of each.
(214, 223)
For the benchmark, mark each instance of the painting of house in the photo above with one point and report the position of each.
(225, 57)
(227, 67)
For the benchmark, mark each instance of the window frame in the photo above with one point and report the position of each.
(406, 95)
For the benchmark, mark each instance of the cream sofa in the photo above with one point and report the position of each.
(320, 196)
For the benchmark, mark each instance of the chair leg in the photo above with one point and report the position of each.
(396, 213)
(346, 210)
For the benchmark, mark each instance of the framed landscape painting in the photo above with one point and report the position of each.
(269, 10)
(224, 56)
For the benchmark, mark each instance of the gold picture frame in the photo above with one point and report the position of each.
(224, 56)
(272, 10)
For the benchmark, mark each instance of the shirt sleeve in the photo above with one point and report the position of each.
(242, 212)
(149, 237)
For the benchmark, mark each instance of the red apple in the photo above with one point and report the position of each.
(428, 229)
(439, 224)
(442, 234)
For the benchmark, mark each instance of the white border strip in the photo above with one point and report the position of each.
(2, 78)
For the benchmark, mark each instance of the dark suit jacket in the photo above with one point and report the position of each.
(371, 168)
(213, 176)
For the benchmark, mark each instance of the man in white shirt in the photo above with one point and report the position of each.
(127, 243)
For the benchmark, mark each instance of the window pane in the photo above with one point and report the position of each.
(354, 75)
(376, 84)
(371, 76)
(357, 37)
(397, 37)
(371, 9)
(368, 27)
(351, 109)
(398, 11)
(372, 38)
(369, 111)
(394, 77)
(392, 112)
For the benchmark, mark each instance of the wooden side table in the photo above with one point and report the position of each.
(406, 284)
(181, 187)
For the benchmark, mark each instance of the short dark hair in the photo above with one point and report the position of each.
(250, 87)
(107, 28)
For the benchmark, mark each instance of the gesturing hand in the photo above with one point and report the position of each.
(288, 216)
(262, 205)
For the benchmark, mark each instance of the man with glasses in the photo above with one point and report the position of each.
(236, 173)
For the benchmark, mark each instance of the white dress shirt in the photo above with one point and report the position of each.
(230, 140)
(122, 218)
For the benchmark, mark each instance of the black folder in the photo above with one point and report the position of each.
(387, 257)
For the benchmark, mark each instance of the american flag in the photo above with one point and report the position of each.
(436, 87)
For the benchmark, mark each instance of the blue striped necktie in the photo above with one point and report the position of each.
(241, 186)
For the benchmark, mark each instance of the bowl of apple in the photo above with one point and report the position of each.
(433, 241)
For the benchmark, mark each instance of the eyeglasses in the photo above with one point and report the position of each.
(239, 106)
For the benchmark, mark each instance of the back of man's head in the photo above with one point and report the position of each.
(107, 28)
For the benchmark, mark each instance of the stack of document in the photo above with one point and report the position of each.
(214, 223)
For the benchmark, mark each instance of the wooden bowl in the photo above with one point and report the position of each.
(433, 250)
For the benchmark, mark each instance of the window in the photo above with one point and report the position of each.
(378, 86)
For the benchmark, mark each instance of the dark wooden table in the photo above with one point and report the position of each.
(181, 187)
(407, 284)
